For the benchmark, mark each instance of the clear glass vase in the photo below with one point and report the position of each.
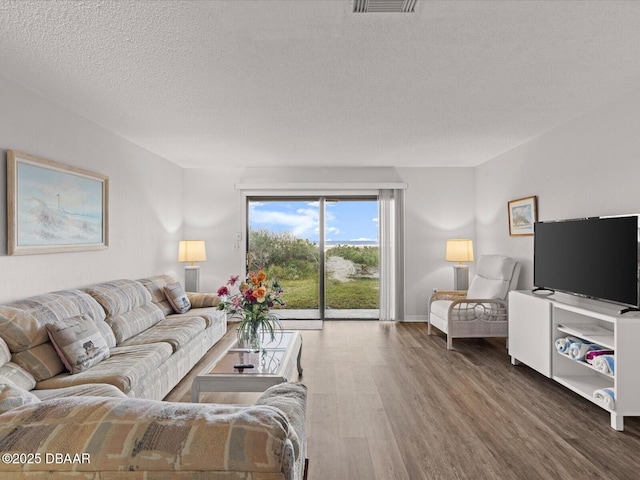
(253, 337)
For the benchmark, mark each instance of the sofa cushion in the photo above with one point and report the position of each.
(128, 306)
(125, 435)
(211, 315)
(13, 397)
(125, 368)
(42, 361)
(119, 296)
(5, 381)
(177, 332)
(200, 300)
(78, 342)
(155, 286)
(22, 322)
(88, 390)
(130, 324)
(18, 376)
(177, 297)
(5, 353)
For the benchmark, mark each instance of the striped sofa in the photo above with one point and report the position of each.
(151, 348)
(107, 422)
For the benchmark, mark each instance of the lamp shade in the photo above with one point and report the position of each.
(459, 250)
(192, 251)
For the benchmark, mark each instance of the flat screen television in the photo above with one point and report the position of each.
(590, 257)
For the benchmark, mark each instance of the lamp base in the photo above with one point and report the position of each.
(461, 277)
(192, 278)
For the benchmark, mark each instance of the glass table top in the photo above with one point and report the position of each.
(267, 361)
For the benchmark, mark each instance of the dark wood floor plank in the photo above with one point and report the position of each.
(386, 401)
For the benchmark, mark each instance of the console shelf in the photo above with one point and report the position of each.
(586, 365)
(591, 333)
(536, 322)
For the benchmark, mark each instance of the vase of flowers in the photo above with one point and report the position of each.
(252, 300)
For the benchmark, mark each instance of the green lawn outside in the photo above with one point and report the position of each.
(354, 294)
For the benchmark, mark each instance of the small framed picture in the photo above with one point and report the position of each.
(523, 213)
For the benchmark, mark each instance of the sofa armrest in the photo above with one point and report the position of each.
(201, 300)
(291, 399)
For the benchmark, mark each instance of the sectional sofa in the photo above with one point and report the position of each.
(82, 373)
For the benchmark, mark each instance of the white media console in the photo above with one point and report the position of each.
(536, 321)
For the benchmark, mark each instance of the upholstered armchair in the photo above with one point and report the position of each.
(481, 311)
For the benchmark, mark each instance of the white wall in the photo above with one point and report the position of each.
(587, 167)
(146, 197)
(213, 213)
(439, 205)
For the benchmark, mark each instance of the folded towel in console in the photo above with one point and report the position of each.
(605, 364)
(606, 397)
(590, 356)
(578, 350)
(563, 344)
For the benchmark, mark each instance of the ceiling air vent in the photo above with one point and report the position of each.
(384, 6)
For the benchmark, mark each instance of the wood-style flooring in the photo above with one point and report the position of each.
(388, 402)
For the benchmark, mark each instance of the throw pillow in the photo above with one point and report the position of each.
(78, 342)
(13, 397)
(203, 300)
(177, 297)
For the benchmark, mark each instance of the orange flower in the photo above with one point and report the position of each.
(260, 293)
(261, 276)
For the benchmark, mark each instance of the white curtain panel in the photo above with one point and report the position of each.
(391, 224)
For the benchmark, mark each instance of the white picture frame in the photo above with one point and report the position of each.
(53, 207)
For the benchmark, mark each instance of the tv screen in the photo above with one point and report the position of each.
(593, 257)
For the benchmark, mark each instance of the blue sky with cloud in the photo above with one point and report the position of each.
(346, 220)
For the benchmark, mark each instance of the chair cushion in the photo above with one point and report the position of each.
(483, 288)
(440, 308)
(78, 342)
(493, 277)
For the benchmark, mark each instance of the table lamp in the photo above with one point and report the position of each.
(192, 251)
(460, 250)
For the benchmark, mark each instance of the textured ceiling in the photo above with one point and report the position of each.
(260, 83)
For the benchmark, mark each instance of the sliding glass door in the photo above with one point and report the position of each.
(323, 251)
(352, 258)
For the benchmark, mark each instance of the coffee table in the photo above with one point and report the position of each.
(275, 363)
